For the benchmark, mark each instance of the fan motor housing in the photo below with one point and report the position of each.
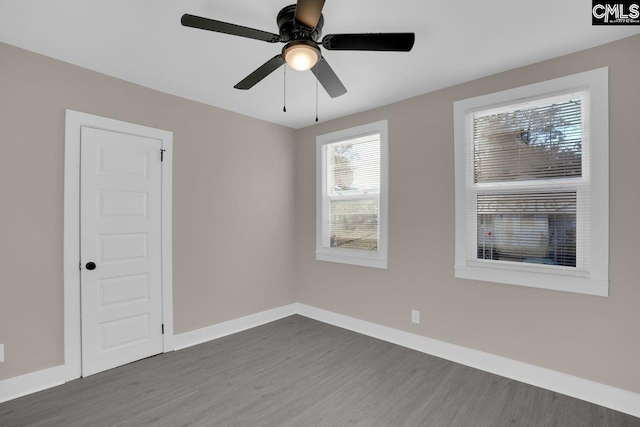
(290, 30)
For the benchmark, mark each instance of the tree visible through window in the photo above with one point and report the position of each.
(353, 187)
(532, 185)
(352, 200)
(530, 144)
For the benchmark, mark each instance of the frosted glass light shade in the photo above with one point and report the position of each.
(301, 56)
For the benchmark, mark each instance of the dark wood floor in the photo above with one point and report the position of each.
(300, 372)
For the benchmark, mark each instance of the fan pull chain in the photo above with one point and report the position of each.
(317, 71)
(284, 102)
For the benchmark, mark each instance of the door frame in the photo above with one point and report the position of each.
(74, 122)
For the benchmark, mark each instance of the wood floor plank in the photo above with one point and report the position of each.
(300, 372)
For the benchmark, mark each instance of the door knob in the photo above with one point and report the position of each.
(91, 266)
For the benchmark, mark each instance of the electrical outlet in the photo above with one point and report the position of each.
(1, 352)
(415, 316)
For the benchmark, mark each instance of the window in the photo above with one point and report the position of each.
(351, 178)
(532, 185)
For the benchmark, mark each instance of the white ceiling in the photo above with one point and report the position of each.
(142, 41)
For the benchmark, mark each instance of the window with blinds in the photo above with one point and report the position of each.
(528, 182)
(532, 185)
(353, 193)
(350, 195)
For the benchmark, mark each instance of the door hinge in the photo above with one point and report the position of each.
(162, 154)
(163, 329)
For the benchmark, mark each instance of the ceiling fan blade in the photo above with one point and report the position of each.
(328, 78)
(226, 28)
(308, 12)
(398, 42)
(263, 71)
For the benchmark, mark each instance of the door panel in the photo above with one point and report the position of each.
(123, 204)
(124, 289)
(122, 247)
(123, 332)
(120, 229)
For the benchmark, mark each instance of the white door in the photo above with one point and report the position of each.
(120, 233)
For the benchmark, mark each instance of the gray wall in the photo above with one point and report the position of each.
(591, 337)
(232, 214)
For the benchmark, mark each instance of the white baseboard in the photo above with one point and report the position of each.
(22, 385)
(580, 388)
(223, 329)
(590, 391)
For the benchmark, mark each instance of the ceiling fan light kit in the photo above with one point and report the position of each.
(301, 55)
(300, 27)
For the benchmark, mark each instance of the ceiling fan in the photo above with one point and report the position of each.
(300, 28)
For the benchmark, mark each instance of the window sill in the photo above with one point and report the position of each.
(575, 284)
(353, 259)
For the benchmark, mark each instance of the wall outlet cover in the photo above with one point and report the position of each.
(415, 316)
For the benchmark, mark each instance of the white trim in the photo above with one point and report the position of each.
(362, 258)
(596, 281)
(223, 329)
(33, 382)
(354, 259)
(580, 388)
(74, 122)
(167, 241)
(1, 353)
(555, 282)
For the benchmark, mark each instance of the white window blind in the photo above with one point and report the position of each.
(352, 193)
(532, 185)
(529, 183)
(351, 199)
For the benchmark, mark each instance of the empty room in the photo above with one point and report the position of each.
(322, 213)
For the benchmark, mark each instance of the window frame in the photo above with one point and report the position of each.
(595, 279)
(376, 259)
